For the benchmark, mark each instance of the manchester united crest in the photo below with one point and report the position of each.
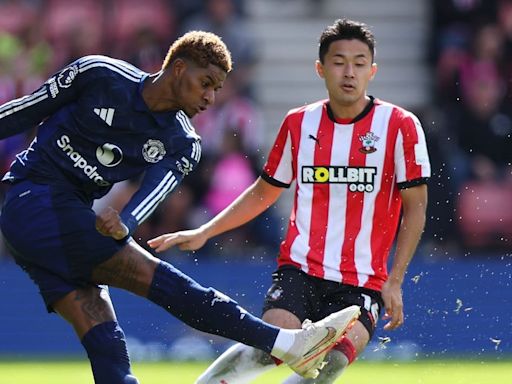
(368, 142)
(153, 151)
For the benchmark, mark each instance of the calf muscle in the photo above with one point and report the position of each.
(85, 308)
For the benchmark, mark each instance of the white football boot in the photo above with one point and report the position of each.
(306, 356)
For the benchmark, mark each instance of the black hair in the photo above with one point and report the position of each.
(344, 29)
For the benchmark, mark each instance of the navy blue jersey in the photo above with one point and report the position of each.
(96, 130)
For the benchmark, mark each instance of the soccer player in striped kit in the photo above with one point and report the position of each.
(356, 161)
(101, 121)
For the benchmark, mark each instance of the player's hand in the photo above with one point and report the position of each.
(108, 223)
(394, 306)
(186, 240)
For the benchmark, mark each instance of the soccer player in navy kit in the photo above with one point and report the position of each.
(101, 121)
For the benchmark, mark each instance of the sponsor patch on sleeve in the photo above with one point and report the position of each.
(66, 77)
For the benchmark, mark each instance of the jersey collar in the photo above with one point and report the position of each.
(364, 112)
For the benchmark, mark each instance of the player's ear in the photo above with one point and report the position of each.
(319, 68)
(178, 67)
(373, 70)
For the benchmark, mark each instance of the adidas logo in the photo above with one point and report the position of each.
(105, 114)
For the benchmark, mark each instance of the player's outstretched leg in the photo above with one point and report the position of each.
(211, 311)
(240, 364)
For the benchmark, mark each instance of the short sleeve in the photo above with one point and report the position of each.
(412, 164)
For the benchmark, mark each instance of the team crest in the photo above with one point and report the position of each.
(153, 151)
(275, 293)
(368, 142)
(67, 76)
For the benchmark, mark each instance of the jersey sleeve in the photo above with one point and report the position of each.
(412, 165)
(158, 182)
(28, 111)
(279, 170)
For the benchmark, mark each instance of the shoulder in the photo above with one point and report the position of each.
(295, 115)
(398, 114)
(187, 140)
(186, 129)
(187, 143)
(319, 105)
(104, 66)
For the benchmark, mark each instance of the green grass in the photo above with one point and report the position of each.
(423, 372)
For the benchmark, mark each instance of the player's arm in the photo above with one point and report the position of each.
(414, 203)
(28, 111)
(252, 202)
(412, 167)
(158, 182)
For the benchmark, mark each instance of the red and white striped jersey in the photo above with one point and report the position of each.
(348, 174)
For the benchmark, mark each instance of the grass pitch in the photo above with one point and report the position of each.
(422, 372)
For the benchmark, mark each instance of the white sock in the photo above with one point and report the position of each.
(240, 364)
(336, 363)
(284, 342)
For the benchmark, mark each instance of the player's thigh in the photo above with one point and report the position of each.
(54, 229)
(85, 308)
(132, 268)
(290, 299)
(339, 296)
(282, 318)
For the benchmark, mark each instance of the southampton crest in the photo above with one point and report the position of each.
(368, 142)
(275, 293)
(153, 151)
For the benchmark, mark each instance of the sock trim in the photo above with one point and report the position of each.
(277, 361)
(346, 347)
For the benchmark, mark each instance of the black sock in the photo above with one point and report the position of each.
(106, 347)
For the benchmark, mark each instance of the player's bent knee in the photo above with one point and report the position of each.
(132, 268)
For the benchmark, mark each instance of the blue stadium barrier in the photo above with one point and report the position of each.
(454, 307)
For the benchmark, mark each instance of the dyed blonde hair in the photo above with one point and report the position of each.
(203, 48)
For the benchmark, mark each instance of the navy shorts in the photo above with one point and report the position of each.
(309, 297)
(51, 234)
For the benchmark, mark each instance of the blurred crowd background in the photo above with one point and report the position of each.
(465, 48)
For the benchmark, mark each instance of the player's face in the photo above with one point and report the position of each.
(195, 87)
(347, 70)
